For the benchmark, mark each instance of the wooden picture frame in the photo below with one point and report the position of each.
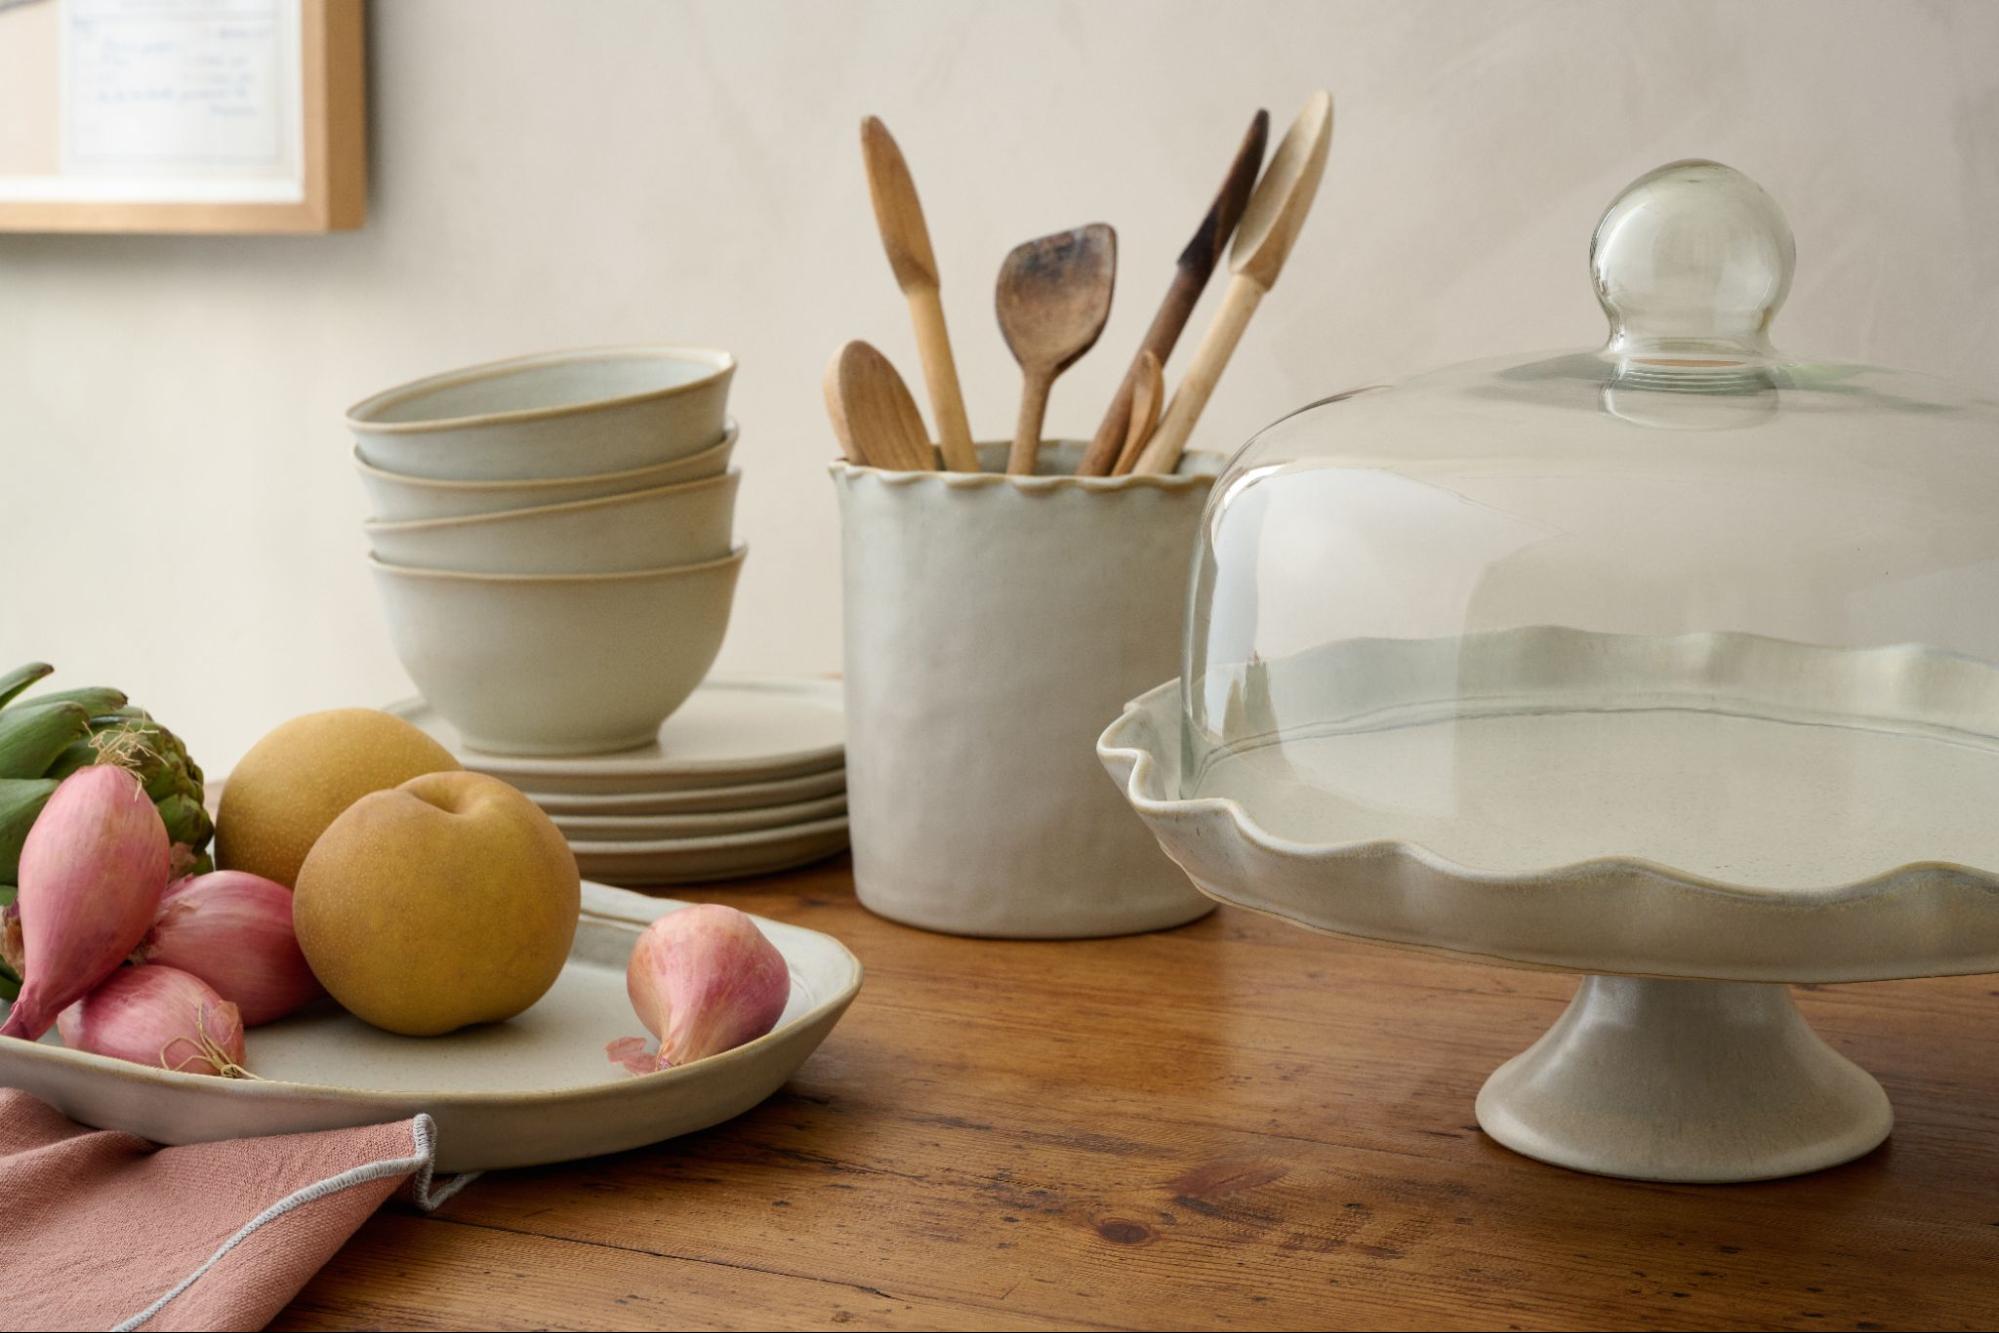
(332, 161)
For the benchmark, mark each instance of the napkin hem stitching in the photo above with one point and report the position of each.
(423, 1134)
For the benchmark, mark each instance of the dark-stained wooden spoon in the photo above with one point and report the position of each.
(873, 414)
(1053, 297)
(1190, 278)
(1263, 241)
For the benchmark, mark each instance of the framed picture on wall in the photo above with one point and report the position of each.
(182, 115)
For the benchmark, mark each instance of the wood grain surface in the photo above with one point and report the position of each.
(1234, 1125)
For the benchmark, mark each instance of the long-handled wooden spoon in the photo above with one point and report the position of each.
(1148, 394)
(1053, 297)
(1263, 242)
(1190, 277)
(873, 414)
(905, 236)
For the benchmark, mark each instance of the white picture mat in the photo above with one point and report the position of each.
(176, 101)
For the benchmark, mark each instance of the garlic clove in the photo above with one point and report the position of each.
(91, 873)
(158, 1016)
(704, 980)
(233, 930)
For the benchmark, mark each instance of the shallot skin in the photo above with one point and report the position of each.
(704, 980)
(233, 930)
(157, 1016)
(91, 873)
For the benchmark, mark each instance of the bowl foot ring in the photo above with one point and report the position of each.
(1698, 1082)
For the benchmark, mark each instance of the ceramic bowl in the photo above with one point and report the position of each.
(558, 664)
(669, 525)
(393, 497)
(560, 414)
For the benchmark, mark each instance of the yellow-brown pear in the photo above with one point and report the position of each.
(300, 778)
(447, 901)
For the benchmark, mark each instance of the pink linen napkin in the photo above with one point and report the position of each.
(100, 1229)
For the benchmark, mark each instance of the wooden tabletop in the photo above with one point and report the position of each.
(1237, 1124)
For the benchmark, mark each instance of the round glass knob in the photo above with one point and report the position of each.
(1691, 263)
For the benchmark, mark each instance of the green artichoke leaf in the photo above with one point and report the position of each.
(20, 678)
(98, 700)
(32, 734)
(185, 819)
(21, 802)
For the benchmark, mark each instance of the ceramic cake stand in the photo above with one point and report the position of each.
(1682, 1057)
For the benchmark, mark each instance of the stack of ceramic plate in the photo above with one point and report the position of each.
(747, 777)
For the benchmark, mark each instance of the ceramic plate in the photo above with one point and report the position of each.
(702, 800)
(688, 860)
(732, 729)
(533, 1090)
(658, 828)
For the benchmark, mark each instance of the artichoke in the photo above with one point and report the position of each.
(47, 737)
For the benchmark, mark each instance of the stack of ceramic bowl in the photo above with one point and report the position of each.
(552, 537)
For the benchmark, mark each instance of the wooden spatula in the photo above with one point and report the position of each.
(1262, 243)
(899, 215)
(1190, 277)
(1053, 297)
(873, 414)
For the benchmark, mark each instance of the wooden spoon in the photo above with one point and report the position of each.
(899, 216)
(1147, 395)
(1262, 243)
(1190, 277)
(1053, 297)
(873, 414)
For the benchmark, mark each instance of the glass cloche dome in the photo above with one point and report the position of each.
(1680, 599)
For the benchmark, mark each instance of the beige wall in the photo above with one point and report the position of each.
(178, 513)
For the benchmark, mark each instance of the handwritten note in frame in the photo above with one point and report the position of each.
(182, 115)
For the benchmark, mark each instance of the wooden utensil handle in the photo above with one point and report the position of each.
(1026, 449)
(1160, 339)
(1102, 454)
(1211, 358)
(940, 376)
(1145, 405)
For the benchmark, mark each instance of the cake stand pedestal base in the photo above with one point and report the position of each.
(1689, 1081)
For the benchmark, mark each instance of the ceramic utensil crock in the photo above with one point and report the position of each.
(992, 622)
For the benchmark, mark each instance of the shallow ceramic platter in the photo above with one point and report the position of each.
(1714, 806)
(656, 828)
(533, 1090)
(692, 860)
(701, 800)
(732, 729)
